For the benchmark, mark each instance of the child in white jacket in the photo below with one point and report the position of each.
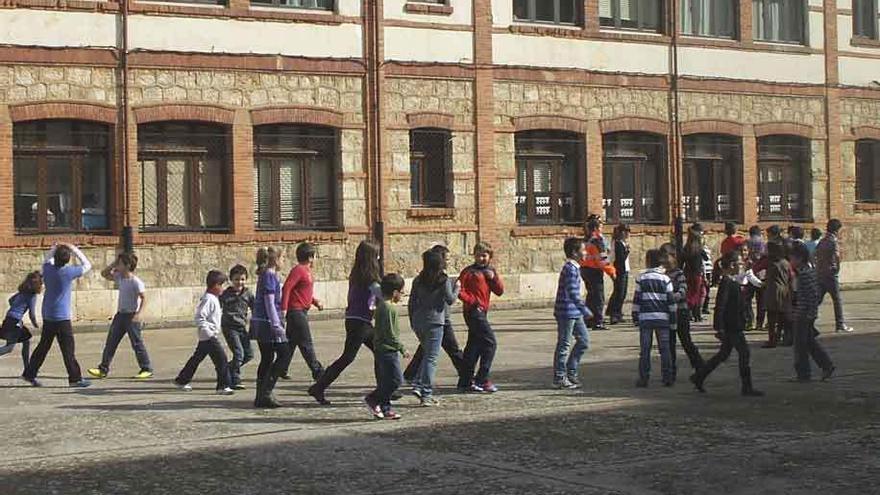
(208, 315)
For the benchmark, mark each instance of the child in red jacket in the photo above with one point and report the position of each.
(478, 282)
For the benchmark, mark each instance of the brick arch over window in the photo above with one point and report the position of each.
(865, 132)
(786, 128)
(73, 111)
(297, 115)
(712, 127)
(431, 119)
(634, 124)
(549, 122)
(194, 113)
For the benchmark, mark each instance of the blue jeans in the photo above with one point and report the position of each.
(830, 284)
(430, 340)
(568, 355)
(242, 351)
(123, 323)
(388, 378)
(646, 337)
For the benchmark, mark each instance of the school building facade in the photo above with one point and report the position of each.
(212, 127)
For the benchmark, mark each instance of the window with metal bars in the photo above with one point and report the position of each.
(550, 184)
(61, 176)
(634, 176)
(781, 21)
(295, 177)
(709, 18)
(865, 17)
(299, 4)
(568, 12)
(430, 157)
(868, 171)
(184, 176)
(712, 177)
(642, 15)
(783, 178)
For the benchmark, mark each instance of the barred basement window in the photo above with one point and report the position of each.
(633, 175)
(295, 176)
(868, 171)
(643, 15)
(710, 18)
(548, 11)
(712, 177)
(299, 4)
(430, 160)
(184, 176)
(865, 15)
(783, 21)
(783, 178)
(60, 176)
(550, 177)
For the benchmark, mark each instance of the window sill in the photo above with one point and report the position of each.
(864, 42)
(547, 231)
(254, 12)
(87, 5)
(783, 46)
(427, 9)
(867, 207)
(430, 212)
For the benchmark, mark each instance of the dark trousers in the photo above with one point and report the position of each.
(707, 299)
(830, 284)
(64, 332)
(388, 378)
(683, 334)
(806, 346)
(751, 294)
(480, 348)
(618, 296)
(449, 344)
(123, 324)
(300, 335)
(357, 333)
(274, 359)
(776, 327)
(729, 342)
(213, 348)
(595, 281)
(242, 351)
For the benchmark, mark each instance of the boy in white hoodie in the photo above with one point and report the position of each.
(208, 315)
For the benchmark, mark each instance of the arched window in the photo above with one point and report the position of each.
(430, 158)
(634, 176)
(549, 177)
(184, 175)
(868, 171)
(783, 178)
(61, 176)
(712, 177)
(295, 176)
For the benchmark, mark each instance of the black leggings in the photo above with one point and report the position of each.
(274, 359)
(357, 333)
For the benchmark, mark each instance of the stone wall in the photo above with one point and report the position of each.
(752, 109)
(22, 83)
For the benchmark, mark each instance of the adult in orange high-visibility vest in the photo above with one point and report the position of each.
(593, 269)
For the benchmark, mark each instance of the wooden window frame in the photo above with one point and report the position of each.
(617, 23)
(874, 165)
(858, 21)
(720, 159)
(805, 24)
(791, 171)
(279, 5)
(423, 157)
(557, 13)
(555, 185)
(734, 18)
(640, 161)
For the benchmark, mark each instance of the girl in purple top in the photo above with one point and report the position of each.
(267, 329)
(363, 291)
(24, 301)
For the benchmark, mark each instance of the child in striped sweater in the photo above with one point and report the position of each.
(654, 311)
(573, 338)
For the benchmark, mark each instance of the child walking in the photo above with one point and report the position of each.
(13, 329)
(208, 317)
(730, 323)
(654, 310)
(363, 292)
(237, 300)
(571, 316)
(127, 319)
(388, 349)
(297, 297)
(432, 293)
(621, 282)
(478, 282)
(806, 310)
(267, 328)
(777, 294)
(682, 331)
(58, 277)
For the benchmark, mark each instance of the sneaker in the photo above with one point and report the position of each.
(318, 395)
(373, 407)
(827, 373)
(186, 387)
(844, 329)
(142, 375)
(488, 387)
(32, 381)
(417, 393)
(81, 384)
(563, 384)
(266, 403)
(575, 380)
(285, 376)
(473, 388)
(429, 402)
(225, 391)
(389, 414)
(238, 386)
(96, 373)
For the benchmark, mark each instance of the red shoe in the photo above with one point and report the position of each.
(488, 387)
(391, 415)
(373, 407)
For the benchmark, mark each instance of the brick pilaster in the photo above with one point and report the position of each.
(750, 176)
(242, 174)
(134, 177)
(591, 16)
(378, 172)
(7, 191)
(484, 96)
(595, 178)
(832, 112)
(745, 21)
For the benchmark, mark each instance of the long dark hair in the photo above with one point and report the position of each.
(365, 270)
(32, 283)
(267, 258)
(432, 274)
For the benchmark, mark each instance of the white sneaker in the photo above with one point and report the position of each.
(844, 329)
(186, 387)
(225, 391)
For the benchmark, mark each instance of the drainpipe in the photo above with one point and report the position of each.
(127, 239)
(674, 123)
(374, 64)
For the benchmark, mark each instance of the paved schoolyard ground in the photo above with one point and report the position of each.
(124, 436)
